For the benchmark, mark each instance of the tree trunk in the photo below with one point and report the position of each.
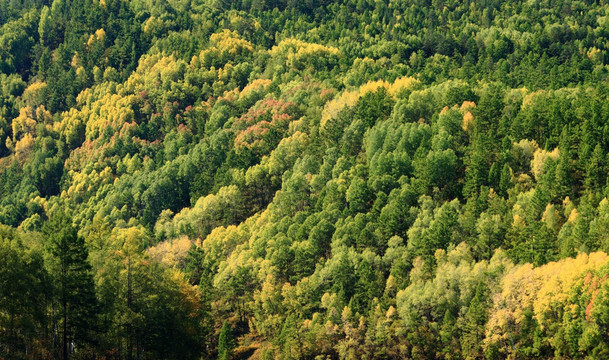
(65, 311)
(130, 326)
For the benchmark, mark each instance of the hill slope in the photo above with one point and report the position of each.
(314, 179)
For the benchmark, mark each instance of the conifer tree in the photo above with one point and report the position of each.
(225, 342)
(473, 327)
(74, 288)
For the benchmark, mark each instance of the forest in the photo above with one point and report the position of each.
(313, 179)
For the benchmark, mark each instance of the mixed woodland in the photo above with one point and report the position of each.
(313, 179)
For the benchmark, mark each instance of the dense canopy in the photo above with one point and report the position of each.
(314, 179)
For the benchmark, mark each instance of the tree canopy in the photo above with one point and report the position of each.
(304, 179)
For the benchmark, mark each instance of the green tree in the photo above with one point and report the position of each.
(475, 173)
(24, 297)
(44, 27)
(74, 288)
(563, 183)
(505, 181)
(226, 343)
(474, 321)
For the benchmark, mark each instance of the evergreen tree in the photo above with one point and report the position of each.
(24, 296)
(225, 342)
(473, 326)
(475, 173)
(74, 288)
(449, 336)
(564, 179)
(505, 182)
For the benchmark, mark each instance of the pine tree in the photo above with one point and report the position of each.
(225, 342)
(595, 171)
(473, 327)
(505, 182)
(564, 170)
(449, 336)
(494, 175)
(75, 292)
(24, 291)
(476, 173)
(44, 26)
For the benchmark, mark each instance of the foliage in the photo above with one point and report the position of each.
(303, 179)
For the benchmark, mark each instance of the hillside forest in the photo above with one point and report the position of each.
(313, 179)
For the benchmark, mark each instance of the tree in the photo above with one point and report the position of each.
(474, 321)
(373, 106)
(449, 335)
(24, 296)
(74, 288)
(358, 195)
(366, 288)
(44, 26)
(225, 342)
(595, 170)
(563, 181)
(476, 172)
(505, 181)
